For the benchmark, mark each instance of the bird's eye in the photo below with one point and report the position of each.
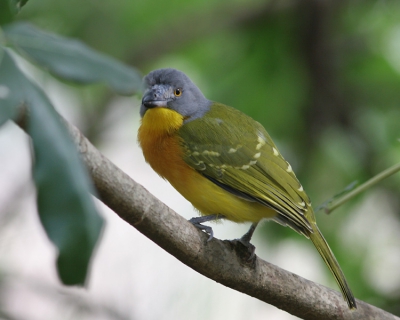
(178, 92)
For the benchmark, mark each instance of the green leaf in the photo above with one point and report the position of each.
(8, 103)
(16, 5)
(71, 59)
(6, 13)
(66, 209)
(10, 8)
(20, 3)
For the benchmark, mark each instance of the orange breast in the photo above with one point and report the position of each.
(160, 144)
(162, 150)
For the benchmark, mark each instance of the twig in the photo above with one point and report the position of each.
(368, 184)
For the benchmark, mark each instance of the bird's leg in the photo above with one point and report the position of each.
(245, 240)
(248, 235)
(197, 222)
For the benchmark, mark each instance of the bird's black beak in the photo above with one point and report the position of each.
(156, 96)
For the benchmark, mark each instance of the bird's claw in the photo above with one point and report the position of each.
(206, 229)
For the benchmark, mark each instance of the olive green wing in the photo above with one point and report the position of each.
(235, 152)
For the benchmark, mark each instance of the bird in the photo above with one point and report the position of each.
(224, 163)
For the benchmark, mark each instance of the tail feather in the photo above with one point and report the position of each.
(330, 260)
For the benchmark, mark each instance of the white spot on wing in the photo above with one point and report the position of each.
(276, 153)
(232, 150)
(261, 142)
(246, 166)
(210, 153)
(289, 168)
(301, 188)
(257, 155)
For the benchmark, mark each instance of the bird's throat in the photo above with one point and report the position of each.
(161, 121)
(160, 143)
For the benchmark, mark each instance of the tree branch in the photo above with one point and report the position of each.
(218, 260)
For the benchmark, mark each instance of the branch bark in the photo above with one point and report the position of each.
(221, 261)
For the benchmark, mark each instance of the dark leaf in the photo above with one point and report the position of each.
(16, 5)
(71, 59)
(65, 206)
(10, 8)
(8, 103)
(6, 12)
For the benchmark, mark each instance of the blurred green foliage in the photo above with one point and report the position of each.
(63, 187)
(322, 76)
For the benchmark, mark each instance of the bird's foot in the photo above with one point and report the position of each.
(197, 222)
(244, 247)
(204, 228)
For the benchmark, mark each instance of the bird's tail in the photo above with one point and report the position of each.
(326, 253)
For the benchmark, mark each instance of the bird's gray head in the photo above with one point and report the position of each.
(172, 89)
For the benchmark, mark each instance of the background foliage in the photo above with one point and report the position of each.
(322, 76)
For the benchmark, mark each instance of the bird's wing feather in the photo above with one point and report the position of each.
(235, 152)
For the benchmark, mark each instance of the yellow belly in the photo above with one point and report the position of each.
(162, 150)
